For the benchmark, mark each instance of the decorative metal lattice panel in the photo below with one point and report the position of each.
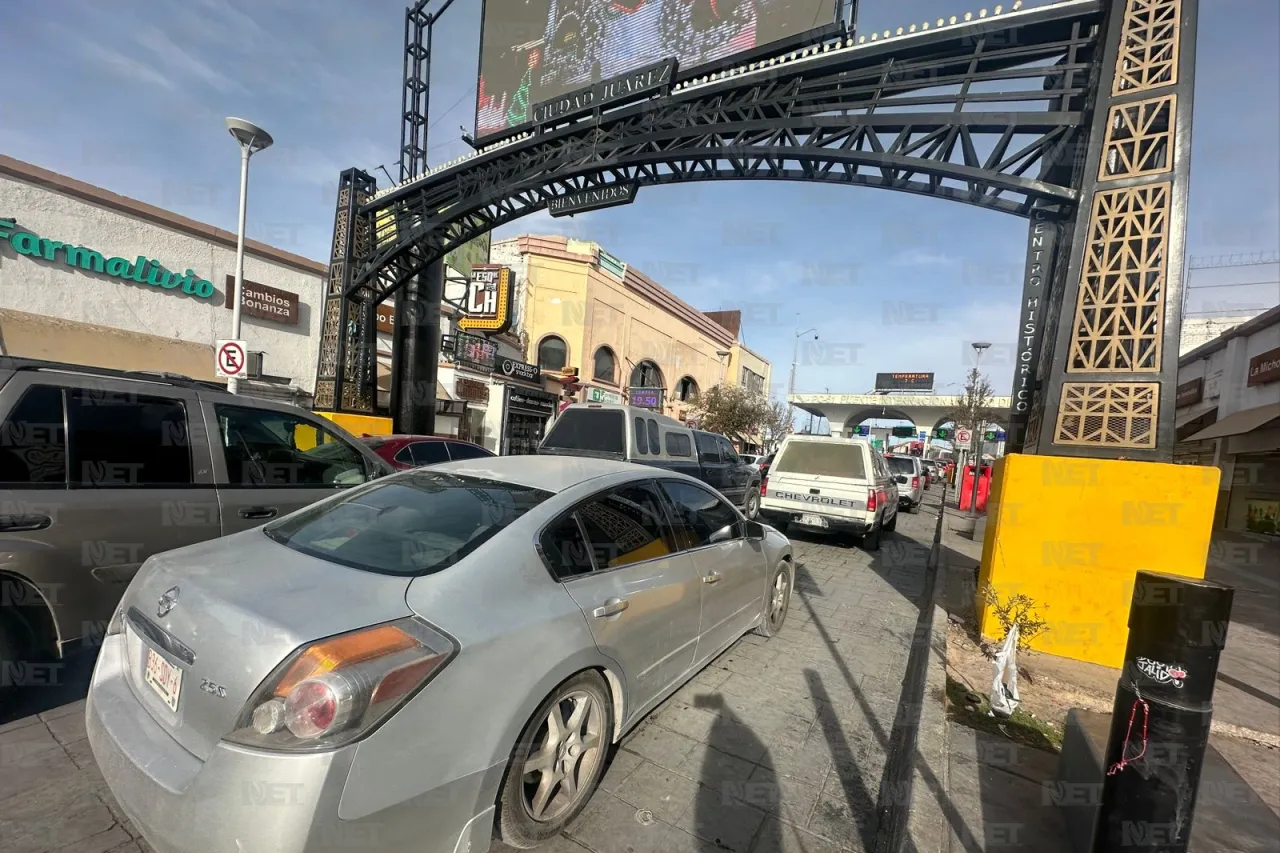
(1108, 414)
(1139, 139)
(1148, 46)
(1119, 316)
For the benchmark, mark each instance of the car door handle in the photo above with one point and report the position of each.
(714, 577)
(612, 607)
(16, 523)
(259, 512)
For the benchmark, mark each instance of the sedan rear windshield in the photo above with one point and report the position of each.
(590, 430)
(901, 464)
(416, 523)
(821, 458)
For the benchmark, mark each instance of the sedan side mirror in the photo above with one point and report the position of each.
(754, 530)
(725, 534)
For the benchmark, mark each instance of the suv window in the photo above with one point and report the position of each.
(727, 453)
(566, 548)
(626, 526)
(655, 440)
(642, 440)
(901, 465)
(415, 524)
(459, 450)
(127, 439)
(33, 441)
(428, 452)
(592, 430)
(696, 513)
(815, 458)
(264, 447)
(678, 444)
(708, 447)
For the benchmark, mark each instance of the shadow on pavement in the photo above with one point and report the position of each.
(727, 808)
(45, 686)
(904, 563)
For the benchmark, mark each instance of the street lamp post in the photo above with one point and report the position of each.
(252, 139)
(976, 440)
(795, 356)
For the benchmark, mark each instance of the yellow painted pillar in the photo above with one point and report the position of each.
(1072, 533)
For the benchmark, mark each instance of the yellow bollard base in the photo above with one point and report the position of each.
(359, 425)
(1071, 534)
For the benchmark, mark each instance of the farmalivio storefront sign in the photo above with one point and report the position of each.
(141, 270)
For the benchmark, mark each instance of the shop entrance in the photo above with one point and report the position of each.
(526, 424)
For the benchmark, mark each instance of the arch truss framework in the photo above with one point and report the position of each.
(1075, 116)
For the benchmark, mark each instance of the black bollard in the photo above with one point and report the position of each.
(1163, 708)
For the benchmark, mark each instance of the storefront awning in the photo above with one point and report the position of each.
(1240, 422)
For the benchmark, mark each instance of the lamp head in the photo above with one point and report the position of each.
(249, 135)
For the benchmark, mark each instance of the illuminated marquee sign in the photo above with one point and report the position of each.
(489, 298)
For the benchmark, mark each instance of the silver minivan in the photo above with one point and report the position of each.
(100, 469)
(909, 473)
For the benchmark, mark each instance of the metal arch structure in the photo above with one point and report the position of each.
(972, 113)
(1075, 116)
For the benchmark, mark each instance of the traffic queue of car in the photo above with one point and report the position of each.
(533, 609)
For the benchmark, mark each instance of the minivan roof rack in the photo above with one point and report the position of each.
(9, 362)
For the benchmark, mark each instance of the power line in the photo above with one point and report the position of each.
(1256, 259)
(1230, 284)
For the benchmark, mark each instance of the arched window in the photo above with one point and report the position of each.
(687, 390)
(553, 354)
(606, 366)
(647, 375)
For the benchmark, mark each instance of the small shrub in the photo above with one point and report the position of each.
(1020, 610)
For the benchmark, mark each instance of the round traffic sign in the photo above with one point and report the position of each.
(963, 436)
(232, 360)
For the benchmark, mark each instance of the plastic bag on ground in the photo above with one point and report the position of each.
(1004, 688)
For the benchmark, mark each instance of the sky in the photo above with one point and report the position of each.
(131, 95)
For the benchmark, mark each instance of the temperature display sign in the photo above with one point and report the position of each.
(904, 381)
(646, 398)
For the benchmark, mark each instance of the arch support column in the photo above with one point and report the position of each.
(1112, 361)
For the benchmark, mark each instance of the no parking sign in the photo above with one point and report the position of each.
(230, 359)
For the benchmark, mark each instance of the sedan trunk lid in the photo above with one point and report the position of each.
(226, 612)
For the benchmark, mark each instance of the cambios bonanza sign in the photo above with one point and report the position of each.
(533, 52)
(904, 381)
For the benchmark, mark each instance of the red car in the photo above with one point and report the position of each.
(413, 451)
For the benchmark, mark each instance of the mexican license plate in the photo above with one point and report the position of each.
(165, 678)
(813, 521)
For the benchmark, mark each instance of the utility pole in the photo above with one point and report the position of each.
(795, 356)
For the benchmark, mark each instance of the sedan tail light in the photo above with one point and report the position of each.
(337, 690)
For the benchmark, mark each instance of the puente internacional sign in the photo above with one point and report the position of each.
(1090, 144)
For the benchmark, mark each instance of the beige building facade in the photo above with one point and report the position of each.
(628, 336)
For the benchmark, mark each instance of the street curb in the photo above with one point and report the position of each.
(928, 830)
(911, 818)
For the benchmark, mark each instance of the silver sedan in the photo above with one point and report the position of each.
(426, 662)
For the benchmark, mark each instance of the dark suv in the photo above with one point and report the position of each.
(100, 469)
(632, 434)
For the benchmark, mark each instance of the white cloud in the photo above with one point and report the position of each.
(174, 57)
(125, 66)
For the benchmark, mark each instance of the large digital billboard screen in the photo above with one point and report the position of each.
(535, 50)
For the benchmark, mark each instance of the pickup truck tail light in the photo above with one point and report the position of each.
(871, 500)
(764, 486)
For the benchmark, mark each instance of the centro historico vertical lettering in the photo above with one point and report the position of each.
(142, 270)
(1042, 239)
